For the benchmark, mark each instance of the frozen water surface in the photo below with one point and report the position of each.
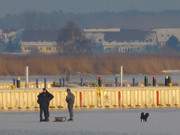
(94, 122)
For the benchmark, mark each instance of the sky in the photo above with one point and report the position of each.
(18, 6)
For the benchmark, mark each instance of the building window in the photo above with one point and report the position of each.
(26, 49)
(48, 48)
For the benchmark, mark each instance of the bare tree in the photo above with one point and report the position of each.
(71, 40)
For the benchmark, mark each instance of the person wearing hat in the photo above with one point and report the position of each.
(44, 99)
(70, 103)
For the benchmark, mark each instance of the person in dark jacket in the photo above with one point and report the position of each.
(44, 99)
(70, 102)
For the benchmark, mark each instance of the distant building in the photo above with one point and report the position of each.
(112, 39)
(39, 47)
(7, 35)
(97, 35)
(126, 47)
(122, 40)
(163, 34)
(39, 42)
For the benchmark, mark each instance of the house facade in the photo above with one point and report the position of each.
(43, 47)
(122, 40)
(163, 34)
(39, 41)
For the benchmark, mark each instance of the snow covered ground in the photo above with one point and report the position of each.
(94, 122)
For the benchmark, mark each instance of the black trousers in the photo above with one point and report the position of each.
(71, 113)
(45, 111)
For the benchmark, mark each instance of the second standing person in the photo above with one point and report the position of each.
(70, 103)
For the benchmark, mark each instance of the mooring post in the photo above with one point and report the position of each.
(154, 81)
(116, 81)
(145, 81)
(14, 82)
(27, 77)
(60, 82)
(134, 82)
(121, 76)
(45, 83)
(81, 80)
(18, 82)
(99, 80)
(63, 82)
(37, 83)
(166, 81)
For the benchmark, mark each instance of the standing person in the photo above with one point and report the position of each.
(44, 99)
(70, 101)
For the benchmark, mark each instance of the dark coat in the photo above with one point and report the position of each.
(70, 99)
(44, 99)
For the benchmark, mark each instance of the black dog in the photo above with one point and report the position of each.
(144, 117)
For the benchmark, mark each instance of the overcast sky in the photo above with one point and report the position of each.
(14, 6)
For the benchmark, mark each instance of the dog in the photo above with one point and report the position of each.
(144, 116)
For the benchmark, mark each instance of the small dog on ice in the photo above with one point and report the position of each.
(144, 117)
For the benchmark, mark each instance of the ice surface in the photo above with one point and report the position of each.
(94, 122)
